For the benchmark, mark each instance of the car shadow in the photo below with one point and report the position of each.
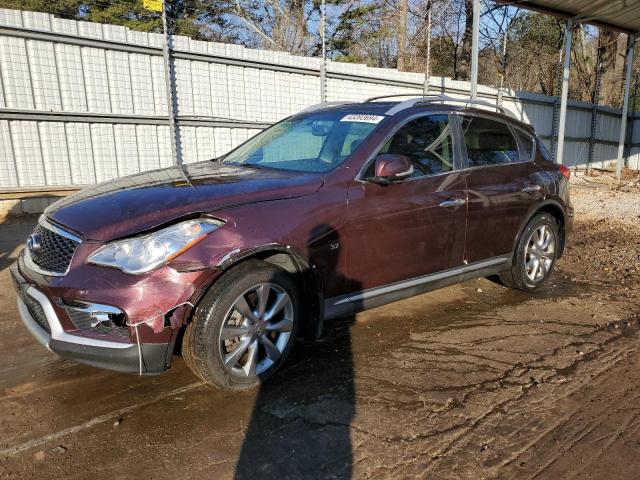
(13, 234)
(301, 420)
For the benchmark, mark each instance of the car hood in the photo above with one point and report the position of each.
(133, 204)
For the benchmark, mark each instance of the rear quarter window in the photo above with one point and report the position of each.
(544, 151)
(525, 145)
(488, 142)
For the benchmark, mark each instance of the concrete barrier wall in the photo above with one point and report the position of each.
(82, 103)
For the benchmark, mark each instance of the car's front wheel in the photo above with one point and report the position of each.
(535, 254)
(244, 328)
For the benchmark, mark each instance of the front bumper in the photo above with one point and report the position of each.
(45, 326)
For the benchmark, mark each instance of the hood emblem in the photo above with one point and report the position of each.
(34, 242)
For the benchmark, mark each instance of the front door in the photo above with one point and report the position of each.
(412, 227)
(503, 185)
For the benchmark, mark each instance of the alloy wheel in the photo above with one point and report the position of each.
(540, 253)
(256, 330)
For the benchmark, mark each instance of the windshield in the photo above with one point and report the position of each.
(316, 142)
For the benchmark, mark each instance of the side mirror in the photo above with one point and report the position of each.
(391, 167)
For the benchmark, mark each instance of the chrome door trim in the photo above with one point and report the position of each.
(393, 287)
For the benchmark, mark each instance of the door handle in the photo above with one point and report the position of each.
(532, 188)
(453, 203)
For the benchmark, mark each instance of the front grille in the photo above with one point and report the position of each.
(55, 251)
(36, 311)
(83, 320)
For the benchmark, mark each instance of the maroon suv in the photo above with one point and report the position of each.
(337, 209)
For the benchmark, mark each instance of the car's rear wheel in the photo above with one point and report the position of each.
(244, 328)
(535, 254)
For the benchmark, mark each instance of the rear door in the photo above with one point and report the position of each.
(503, 184)
(412, 227)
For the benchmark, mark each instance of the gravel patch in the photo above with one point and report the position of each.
(604, 247)
(603, 197)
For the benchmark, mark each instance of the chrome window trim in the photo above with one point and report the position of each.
(31, 265)
(416, 281)
(359, 177)
(57, 332)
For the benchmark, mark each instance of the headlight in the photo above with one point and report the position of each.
(148, 252)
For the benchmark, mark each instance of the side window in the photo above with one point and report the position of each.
(526, 145)
(427, 142)
(488, 142)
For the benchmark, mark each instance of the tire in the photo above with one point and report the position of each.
(521, 275)
(270, 334)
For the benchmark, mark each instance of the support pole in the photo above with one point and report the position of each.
(475, 48)
(568, 41)
(166, 53)
(323, 65)
(631, 39)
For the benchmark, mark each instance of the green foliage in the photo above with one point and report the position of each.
(199, 19)
(62, 8)
(128, 13)
(541, 32)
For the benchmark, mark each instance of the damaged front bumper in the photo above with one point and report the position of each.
(40, 318)
(59, 315)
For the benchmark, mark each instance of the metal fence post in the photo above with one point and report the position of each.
(323, 65)
(171, 93)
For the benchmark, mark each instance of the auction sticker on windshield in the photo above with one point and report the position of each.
(362, 117)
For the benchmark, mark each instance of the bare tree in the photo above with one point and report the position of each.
(277, 24)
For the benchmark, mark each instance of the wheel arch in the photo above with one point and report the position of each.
(553, 208)
(298, 266)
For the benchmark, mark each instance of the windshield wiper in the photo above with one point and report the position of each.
(248, 165)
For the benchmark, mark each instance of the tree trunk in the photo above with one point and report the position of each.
(464, 67)
(612, 70)
(403, 11)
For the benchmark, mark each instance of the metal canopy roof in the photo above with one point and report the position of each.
(620, 15)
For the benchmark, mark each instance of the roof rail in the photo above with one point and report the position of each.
(437, 98)
(318, 106)
(398, 95)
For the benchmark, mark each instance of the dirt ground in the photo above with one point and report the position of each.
(469, 382)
